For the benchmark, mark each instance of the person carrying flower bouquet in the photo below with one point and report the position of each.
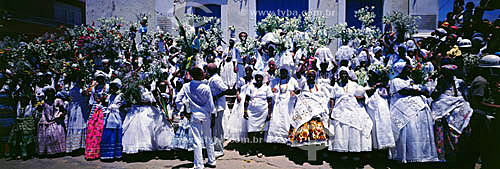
(411, 120)
(98, 97)
(111, 140)
(377, 106)
(451, 114)
(51, 131)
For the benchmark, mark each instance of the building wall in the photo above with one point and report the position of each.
(238, 13)
(395, 5)
(128, 9)
(428, 10)
(35, 17)
(328, 9)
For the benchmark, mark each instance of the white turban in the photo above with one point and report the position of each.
(99, 73)
(398, 68)
(363, 56)
(255, 73)
(343, 68)
(324, 55)
(118, 82)
(378, 48)
(49, 87)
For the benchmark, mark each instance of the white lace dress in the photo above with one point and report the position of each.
(377, 107)
(351, 124)
(412, 126)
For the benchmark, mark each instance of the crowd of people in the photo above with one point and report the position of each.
(413, 100)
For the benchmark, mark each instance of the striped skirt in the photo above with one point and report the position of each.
(7, 121)
(111, 143)
(76, 128)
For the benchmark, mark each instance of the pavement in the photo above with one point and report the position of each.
(276, 156)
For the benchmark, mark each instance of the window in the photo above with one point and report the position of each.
(67, 14)
(210, 10)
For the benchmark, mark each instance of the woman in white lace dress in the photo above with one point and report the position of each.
(350, 121)
(284, 89)
(412, 120)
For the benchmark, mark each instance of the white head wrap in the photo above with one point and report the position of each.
(398, 68)
(343, 68)
(258, 73)
(219, 49)
(99, 73)
(49, 87)
(118, 82)
(376, 49)
(363, 56)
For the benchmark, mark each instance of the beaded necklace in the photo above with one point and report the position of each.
(98, 100)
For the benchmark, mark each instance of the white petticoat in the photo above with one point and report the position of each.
(235, 127)
(145, 128)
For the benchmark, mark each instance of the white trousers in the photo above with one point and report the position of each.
(219, 133)
(202, 130)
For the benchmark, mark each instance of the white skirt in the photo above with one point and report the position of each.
(378, 109)
(235, 127)
(145, 128)
(279, 124)
(348, 139)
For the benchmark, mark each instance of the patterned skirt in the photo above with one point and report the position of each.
(447, 139)
(94, 134)
(183, 138)
(22, 137)
(312, 132)
(51, 138)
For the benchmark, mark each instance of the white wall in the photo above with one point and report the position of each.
(128, 9)
(240, 13)
(328, 9)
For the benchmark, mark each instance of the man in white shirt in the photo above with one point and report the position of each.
(232, 52)
(219, 90)
(201, 106)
